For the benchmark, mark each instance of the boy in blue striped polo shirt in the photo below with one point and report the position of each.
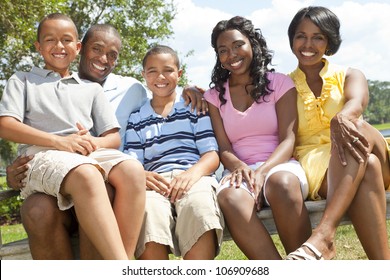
(179, 153)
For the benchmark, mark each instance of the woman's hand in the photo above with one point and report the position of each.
(244, 173)
(343, 134)
(259, 179)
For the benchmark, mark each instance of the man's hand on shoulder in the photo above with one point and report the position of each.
(194, 95)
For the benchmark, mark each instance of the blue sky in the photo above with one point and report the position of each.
(365, 29)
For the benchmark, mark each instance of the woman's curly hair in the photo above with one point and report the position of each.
(262, 57)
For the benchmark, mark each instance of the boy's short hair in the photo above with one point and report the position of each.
(55, 16)
(159, 49)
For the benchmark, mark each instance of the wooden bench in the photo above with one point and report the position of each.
(19, 250)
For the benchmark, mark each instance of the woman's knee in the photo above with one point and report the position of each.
(230, 197)
(283, 186)
(373, 171)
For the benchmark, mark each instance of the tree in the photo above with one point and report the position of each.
(378, 109)
(141, 23)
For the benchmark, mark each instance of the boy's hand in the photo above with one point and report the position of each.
(156, 182)
(181, 184)
(194, 96)
(85, 134)
(16, 172)
(74, 143)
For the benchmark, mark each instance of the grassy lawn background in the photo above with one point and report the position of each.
(382, 126)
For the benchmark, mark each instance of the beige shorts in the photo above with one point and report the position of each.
(181, 224)
(292, 166)
(48, 169)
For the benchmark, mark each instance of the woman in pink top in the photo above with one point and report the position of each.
(254, 116)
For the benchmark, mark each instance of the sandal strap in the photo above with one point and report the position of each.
(300, 254)
(318, 254)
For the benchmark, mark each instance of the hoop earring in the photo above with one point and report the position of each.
(223, 67)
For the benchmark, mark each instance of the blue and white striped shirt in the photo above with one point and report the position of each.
(164, 144)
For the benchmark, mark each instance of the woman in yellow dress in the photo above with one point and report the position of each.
(345, 159)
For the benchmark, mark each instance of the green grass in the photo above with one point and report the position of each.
(382, 126)
(347, 243)
(10, 233)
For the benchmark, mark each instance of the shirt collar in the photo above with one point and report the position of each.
(147, 110)
(110, 83)
(50, 73)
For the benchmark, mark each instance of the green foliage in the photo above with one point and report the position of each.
(9, 208)
(378, 109)
(7, 152)
(140, 23)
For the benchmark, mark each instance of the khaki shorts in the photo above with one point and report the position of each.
(181, 224)
(292, 166)
(48, 169)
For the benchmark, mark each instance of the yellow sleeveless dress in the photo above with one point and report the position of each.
(313, 137)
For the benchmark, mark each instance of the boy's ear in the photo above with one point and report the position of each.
(179, 73)
(37, 46)
(143, 74)
(78, 47)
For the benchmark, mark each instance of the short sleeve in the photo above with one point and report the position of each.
(280, 83)
(211, 96)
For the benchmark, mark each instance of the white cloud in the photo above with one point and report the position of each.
(365, 30)
(366, 38)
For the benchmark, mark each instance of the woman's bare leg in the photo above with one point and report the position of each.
(283, 192)
(368, 212)
(246, 229)
(344, 183)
